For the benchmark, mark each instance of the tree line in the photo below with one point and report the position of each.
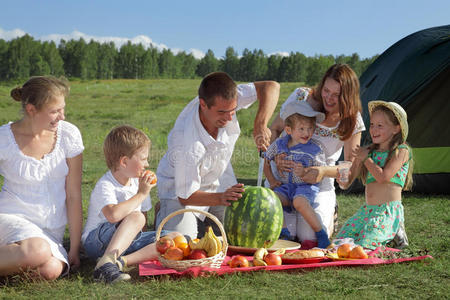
(23, 57)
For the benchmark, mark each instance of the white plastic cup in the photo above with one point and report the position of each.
(344, 169)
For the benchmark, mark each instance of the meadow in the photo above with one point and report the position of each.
(153, 105)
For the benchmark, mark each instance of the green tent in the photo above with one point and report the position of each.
(415, 72)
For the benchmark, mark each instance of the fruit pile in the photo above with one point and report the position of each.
(261, 257)
(351, 251)
(180, 249)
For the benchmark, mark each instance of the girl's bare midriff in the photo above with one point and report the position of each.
(380, 193)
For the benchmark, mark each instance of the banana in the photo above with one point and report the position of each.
(260, 253)
(209, 242)
(211, 246)
(258, 257)
(259, 262)
(197, 245)
(280, 251)
(218, 242)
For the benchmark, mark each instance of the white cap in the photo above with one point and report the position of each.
(303, 108)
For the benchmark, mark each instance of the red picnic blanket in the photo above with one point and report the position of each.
(153, 267)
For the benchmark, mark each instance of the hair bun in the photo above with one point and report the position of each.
(16, 94)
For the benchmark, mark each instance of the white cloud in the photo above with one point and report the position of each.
(279, 53)
(10, 35)
(118, 41)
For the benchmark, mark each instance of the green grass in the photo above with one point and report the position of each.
(152, 105)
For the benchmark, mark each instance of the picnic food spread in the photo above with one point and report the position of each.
(262, 257)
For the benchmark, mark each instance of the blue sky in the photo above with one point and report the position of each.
(312, 27)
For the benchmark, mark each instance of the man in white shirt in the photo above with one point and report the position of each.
(196, 170)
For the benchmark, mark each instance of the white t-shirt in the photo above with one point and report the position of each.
(35, 189)
(195, 160)
(109, 191)
(327, 136)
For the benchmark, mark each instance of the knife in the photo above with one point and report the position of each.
(260, 168)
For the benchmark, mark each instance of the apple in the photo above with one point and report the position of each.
(239, 261)
(164, 243)
(197, 254)
(272, 259)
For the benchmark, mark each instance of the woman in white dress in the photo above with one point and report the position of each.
(41, 163)
(337, 95)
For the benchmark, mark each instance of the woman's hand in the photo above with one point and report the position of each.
(313, 175)
(283, 165)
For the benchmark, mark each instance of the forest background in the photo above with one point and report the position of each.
(23, 57)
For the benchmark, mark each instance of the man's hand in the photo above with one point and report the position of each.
(231, 194)
(261, 135)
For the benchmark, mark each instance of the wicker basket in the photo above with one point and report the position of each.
(211, 262)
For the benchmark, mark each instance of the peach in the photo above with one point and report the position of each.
(343, 250)
(358, 252)
(174, 253)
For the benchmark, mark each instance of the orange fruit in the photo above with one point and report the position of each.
(179, 239)
(343, 250)
(358, 252)
(186, 249)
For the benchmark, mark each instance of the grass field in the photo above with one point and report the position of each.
(152, 105)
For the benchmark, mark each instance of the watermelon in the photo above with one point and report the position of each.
(255, 220)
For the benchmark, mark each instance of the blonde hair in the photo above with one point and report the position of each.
(39, 90)
(122, 141)
(349, 100)
(294, 119)
(394, 143)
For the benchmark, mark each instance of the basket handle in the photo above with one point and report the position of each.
(212, 217)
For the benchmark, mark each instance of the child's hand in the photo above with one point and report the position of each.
(283, 165)
(275, 183)
(74, 258)
(146, 182)
(360, 153)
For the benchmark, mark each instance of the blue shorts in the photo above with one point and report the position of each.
(293, 190)
(98, 240)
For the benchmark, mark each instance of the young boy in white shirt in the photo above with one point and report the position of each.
(115, 219)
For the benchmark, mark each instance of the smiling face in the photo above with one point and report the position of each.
(330, 93)
(301, 132)
(137, 163)
(382, 129)
(218, 115)
(48, 117)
